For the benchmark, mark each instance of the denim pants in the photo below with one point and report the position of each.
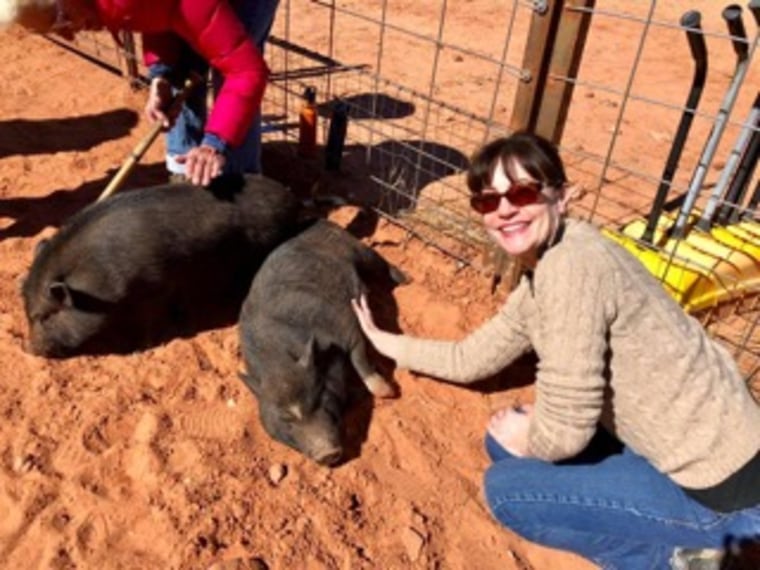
(614, 509)
(257, 16)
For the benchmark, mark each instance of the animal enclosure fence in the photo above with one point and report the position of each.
(426, 83)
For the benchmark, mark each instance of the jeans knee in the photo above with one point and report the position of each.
(496, 487)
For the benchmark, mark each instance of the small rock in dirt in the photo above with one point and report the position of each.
(277, 473)
(240, 564)
(413, 543)
(25, 464)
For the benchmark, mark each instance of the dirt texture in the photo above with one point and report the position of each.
(156, 459)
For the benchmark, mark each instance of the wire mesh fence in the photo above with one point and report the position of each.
(618, 84)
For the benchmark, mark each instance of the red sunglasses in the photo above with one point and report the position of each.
(519, 194)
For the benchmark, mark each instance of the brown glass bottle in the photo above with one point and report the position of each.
(307, 124)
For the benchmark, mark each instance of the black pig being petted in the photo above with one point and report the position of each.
(299, 334)
(144, 265)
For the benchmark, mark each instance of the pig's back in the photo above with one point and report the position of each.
(309, 280)
(160, 224)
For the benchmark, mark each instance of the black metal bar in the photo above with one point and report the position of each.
(692, 21)
(733, 16)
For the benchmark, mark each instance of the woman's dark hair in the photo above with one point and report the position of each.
(535, 154)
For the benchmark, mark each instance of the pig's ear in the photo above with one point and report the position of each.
(306, 360)
(60, 293)
(251, 382)
(41, 245)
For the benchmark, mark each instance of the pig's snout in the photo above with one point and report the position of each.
(35, 344)
(328, 457)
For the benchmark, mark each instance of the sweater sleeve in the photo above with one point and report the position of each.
(572, 298)
(482, 353)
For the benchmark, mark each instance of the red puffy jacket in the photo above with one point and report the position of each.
(213, 30)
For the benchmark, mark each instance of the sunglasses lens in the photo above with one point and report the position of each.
(524, 194)
(485, 202)
(518, 195)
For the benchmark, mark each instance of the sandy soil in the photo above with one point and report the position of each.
(156, 460)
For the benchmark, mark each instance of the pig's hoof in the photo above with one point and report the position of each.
(379, 387)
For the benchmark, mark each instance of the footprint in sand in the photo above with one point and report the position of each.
(95, 438)
(212, 421)
(22, 504)
(140, 460)
(92, 535)
(11, 514)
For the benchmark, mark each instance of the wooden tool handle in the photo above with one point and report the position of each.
(139, 150)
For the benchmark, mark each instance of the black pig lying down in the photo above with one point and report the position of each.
(299, 333)
(143, 266)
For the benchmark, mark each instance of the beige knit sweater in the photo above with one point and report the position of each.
(613, 347)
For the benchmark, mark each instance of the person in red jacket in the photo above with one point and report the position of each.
(179, 37)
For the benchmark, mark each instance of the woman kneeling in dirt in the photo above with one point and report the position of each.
(618, 356)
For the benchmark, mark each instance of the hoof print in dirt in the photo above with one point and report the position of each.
(299, 335)
(144, 266)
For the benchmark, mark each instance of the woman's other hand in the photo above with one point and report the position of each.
(386, 343)
(159, 100)
(202, 164)
(510, 428)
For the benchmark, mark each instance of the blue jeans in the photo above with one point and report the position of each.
(616, 509)
(257, 16)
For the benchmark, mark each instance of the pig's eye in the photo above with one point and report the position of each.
(292, 414)
(44, 316)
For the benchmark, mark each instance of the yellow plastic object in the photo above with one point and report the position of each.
(743, 235)
(699, 271)
(736, 237)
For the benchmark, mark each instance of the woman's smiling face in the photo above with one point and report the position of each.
(523, 231)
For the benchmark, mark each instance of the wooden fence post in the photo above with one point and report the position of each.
(538, 50)
(565, 61)
(553, 52)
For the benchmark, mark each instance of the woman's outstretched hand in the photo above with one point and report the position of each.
(386, 343)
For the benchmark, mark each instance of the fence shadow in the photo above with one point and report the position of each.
(404, 166)
(371, 106)
(33, 214)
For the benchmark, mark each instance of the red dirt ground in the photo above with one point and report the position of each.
(156, 460)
